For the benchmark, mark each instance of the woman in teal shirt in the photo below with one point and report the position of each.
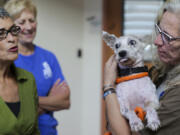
(18, 97)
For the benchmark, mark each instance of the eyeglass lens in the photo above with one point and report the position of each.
(14, 30)
(165, 38)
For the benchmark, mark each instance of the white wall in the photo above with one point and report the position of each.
(63, 29)
(92, 68)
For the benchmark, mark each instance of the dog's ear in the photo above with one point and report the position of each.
(110, 39)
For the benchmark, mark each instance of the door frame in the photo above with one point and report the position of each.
(112, 22)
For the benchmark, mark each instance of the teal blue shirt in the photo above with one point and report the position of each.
(26, 121)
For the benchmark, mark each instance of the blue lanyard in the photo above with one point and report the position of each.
(161, 94)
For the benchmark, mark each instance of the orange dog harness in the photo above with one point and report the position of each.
(131, 77)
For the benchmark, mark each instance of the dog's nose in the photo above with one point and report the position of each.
(122, 53)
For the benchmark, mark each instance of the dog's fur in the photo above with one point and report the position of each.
(136, 92)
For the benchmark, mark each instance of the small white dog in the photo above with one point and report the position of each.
(137, 91)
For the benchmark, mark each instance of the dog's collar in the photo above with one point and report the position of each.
(131, 73)
(131, 77)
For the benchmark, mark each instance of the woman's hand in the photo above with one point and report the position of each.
(40, 111)
(110, 71)
(57, 99)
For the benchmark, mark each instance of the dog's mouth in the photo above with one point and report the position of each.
(122, 60)
(126, 62)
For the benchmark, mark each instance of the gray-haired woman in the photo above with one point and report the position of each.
(18, 96)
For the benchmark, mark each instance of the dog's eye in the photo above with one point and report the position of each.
(132, 42)
(117, 46)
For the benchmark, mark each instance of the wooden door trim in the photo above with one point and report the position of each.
(113, 18)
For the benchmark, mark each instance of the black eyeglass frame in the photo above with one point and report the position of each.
(10, 31)
(163, 34)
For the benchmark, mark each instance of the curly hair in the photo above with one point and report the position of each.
(4, 13)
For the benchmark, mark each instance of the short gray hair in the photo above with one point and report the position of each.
(4, 13)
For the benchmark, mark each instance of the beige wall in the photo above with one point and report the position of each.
(92, 68)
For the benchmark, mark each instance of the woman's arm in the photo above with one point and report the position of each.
(58, 98)
(117, 122)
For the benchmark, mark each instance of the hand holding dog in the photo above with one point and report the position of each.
(110, 71)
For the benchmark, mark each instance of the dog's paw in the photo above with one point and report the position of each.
(154, 125)
(136, 125)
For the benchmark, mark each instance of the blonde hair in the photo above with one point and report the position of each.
(16, 7)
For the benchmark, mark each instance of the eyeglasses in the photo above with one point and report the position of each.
(166, 38)
(14, 30)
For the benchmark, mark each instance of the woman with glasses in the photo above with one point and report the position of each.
(165, 74)
(52, 88)
(18, 96)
